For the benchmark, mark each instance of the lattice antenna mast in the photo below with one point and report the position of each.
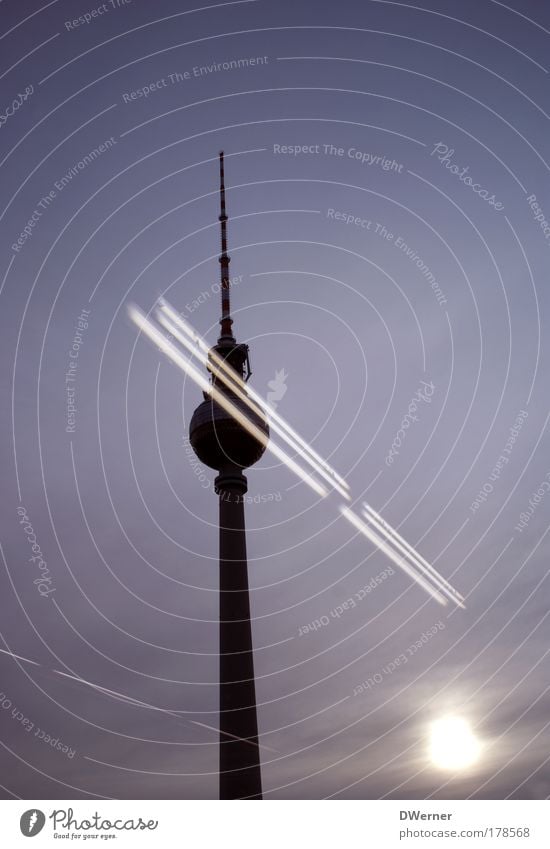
(227, 347)
(226, 334)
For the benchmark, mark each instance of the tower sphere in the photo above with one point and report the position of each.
(219, 440)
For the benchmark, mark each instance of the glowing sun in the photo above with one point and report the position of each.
(453, 745)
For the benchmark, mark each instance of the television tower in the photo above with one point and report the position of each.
(222, 443)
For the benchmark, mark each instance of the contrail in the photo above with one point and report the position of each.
(138, 703)
(233, 736)
(411, 554)
(18, 657)
(234, 383)
(377, 531)
(156, 336)
(130, 700)
(247, 394)
(105, 690)
(397, 559)
(121, 696)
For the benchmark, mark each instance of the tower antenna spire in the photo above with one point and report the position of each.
(226, 333)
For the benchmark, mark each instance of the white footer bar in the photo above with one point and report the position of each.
(288, 823)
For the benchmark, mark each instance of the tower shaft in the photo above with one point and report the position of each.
(240, 773)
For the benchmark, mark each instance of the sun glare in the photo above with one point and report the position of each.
(453, 745)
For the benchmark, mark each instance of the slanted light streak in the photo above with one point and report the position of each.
(390, 543)
(105, 690)
(156, 336)
(411, 554)
(397, 559)
(118, 696)
(414, 553)
(231, 379)
(233, 736)
(233, 382)
(18, 657)
(130, 700)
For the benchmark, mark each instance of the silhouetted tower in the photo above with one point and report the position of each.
(221, 443)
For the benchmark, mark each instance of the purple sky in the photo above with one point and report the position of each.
(387, 186)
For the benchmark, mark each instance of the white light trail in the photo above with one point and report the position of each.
(78, 680)
(411, 554)
(156, 336)
(377, 531)
(119, 696)
(130, 700)
(393, 555)
(233, 736)
(274, 417)
(18, 657)
(172, 322)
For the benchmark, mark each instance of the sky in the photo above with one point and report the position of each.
(387, 186)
